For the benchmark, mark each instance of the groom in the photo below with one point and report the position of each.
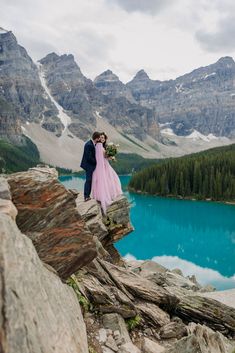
(88, 163)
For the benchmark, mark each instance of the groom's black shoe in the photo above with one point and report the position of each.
(87, 199)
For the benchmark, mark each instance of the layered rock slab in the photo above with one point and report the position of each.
(47, 214)
(214, 314)
(38, 313)
(202, 339)
(112, 226)
(140, 287)
(108, 228)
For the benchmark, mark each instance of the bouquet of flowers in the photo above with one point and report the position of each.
(111, 151)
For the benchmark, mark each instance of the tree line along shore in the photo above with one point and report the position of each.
(205, 175)
(208, 174)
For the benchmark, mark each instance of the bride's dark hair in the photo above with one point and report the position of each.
(106, 138)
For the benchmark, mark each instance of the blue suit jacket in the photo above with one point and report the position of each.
(88, 162)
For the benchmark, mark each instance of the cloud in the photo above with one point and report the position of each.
(166, 38)
(37, 49)
(216, 26)
(80, 28)
(151, 7)
(93, 50)
(130, 257)
(222, 39)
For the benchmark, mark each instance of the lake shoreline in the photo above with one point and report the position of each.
(157, 219)
(231, 202)
(179, 197)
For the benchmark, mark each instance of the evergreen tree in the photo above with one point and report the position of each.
(205, 174)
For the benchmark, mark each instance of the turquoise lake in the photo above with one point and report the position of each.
(196, 236)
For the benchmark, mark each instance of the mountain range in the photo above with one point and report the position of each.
(58, 108)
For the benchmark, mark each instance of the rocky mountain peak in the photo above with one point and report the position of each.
(177, 101)
(49, 57)
(139, 83)
(109, 85)
(68, 56)
(141, 75)
(226, 60)
(55, 59)
(20, 88)
(107, 76)
(64, 63)
(71, 90)
(7, 37)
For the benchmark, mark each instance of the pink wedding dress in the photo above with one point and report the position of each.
(106, 184)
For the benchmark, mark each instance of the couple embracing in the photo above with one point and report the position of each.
(102, 182)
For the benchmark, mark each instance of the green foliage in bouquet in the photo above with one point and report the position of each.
(111, 150)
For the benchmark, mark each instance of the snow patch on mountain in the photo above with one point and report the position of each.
(208, 75)
(196, 135)
(64, 118)
(179, 88)
(98, 114)
(168, 131)
(164, 124)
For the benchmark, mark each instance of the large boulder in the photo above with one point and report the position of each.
(152, 314)
(38, 313)
(226, 297)
(47, 214)
(4, 189)
(112, 226)
(162, 276)
(115, 289)
(117, 219)
(91, 213)
(202, 339)
(174, 329)
(108, 228)
(140, 287)
(211, 312)
(105, 295)
(6, 206)
(115, 322)
(150, 346)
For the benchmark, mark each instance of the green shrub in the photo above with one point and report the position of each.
(133, 322)
(86, 305)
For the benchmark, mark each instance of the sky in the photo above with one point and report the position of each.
(166, 38)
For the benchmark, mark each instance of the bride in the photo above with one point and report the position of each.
(106, 184)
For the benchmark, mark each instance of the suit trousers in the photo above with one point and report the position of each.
(87, 186)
